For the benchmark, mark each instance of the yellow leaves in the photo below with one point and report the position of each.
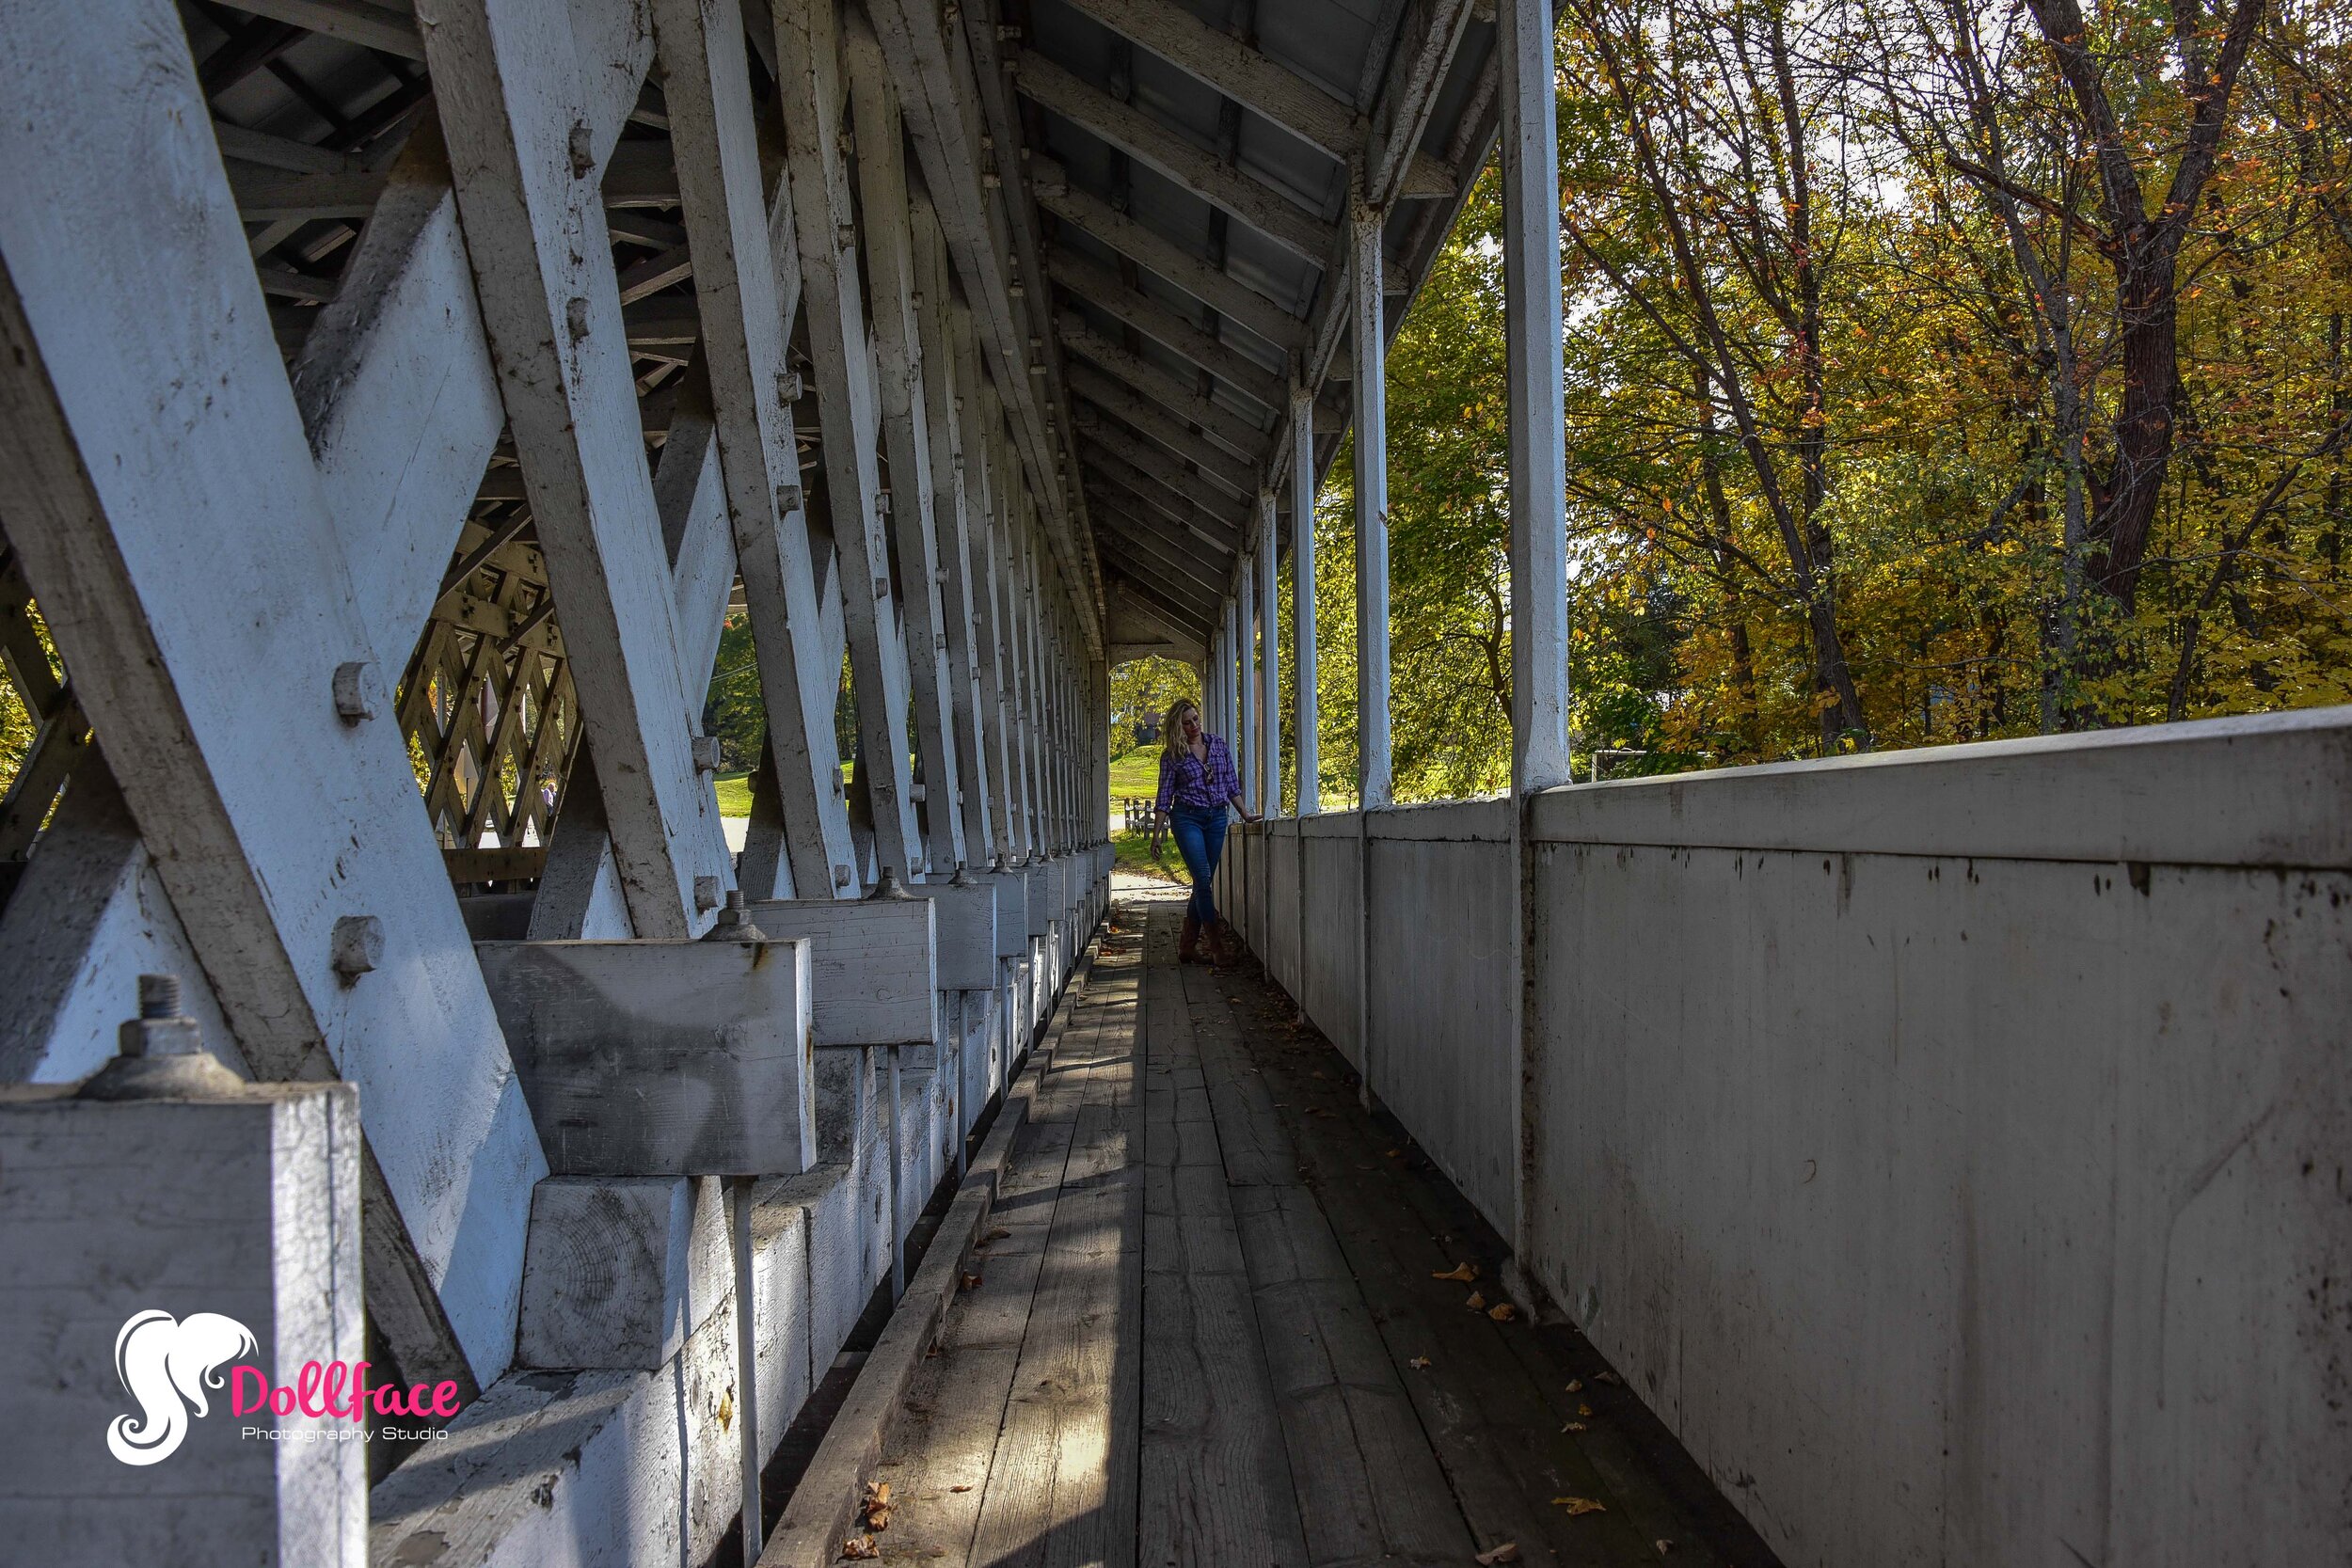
(1502, 1313)
(968, 1282)
(874, 1508)
(1419, 1363)
(1581, 1505)
(1575, 1426)
(1576, 1386)
(860, 1547)
(1477, 1302)
(1462, 1271)
(1583, 1409)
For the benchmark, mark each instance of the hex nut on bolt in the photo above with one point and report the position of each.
(705, 753)
(356, 946)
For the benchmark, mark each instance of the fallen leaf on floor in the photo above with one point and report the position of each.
(1663, 1547)
(1583, 1409)
(1477, 1302)
(1419, 1363)
(1573, 1426)
(1607, 1377)
(1581, 1505)
(1463, 1271)
(959, 1489)
(1507, 1552)
(1576, 1386)
(997, 1235)
(1502, 1313)
(1392, 1153)
(970, 1282)
(860, 1547)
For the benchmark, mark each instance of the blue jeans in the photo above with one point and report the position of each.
(1200, 839)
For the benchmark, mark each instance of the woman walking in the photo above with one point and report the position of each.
(1196, 782)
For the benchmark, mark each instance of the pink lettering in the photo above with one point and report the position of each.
(281, 1399)
(387, 1401)
(306, 1384)
(237, 1405)
(356, 1409)
(445, 1392)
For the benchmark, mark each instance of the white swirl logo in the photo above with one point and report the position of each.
(166, 1366)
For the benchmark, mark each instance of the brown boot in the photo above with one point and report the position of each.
(1225, 945)
(1189, 942)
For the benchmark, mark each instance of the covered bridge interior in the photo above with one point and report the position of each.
(1936, 1158)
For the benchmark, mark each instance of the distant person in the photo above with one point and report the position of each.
(1197, 784)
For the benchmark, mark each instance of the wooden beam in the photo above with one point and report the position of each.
(815, 98)
(1200, 622)
(1179, 267)
(1408, 95)
(1153, 463)
(1114, 396)
(748, 279)
(267, 195)
(505, 73)
(1174, 502)
(270, 819)
(1251, 79)
(1092, 283)
(1212, 179)
(1247, 440)
(886, 208)
(934, 74)
(382, 29)
(958, 499)
(1155, 545)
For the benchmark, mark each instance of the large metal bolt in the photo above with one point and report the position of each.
(356, 946)
(705, 753)
(355, 692)
(160, 1029)
(707, 890)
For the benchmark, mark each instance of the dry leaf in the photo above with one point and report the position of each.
(1607, 1377)
(1419, 1363)
(1581, 1505)
(1477, 1302)
(1576, 1386)
(1392, 1153)
(1502, 1313)
(1573, 1426)
(1663, 1547)
(1583, 1409)
(1463, 1271)
(959, 1489)
(970, 1281)
(998, 1234)
(1507, 1552)
(860, 1547)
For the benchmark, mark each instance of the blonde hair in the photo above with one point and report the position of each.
(1171, 728)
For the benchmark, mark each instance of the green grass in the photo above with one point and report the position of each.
(734, 794)
(1137, 774)
(1134, 852)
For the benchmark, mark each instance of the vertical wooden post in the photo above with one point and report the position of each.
(812, 96)
(905, 366)
(1270, 665)
(1532, 331)
(1303, 595)
(1245, 684)
(1376, 788)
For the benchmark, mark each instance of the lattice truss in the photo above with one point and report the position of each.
(394, 407)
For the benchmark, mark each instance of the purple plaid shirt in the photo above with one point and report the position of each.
(1189, 780)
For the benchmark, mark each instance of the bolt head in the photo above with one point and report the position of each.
(356, 946)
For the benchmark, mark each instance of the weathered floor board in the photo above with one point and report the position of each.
(1205, 1329)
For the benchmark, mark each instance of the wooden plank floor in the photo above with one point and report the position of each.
(1205, 1329)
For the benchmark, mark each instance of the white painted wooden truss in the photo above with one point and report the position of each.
(433, 553)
